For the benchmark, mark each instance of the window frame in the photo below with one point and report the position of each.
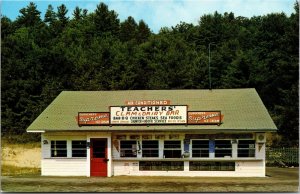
(192, 149)
(149, 149)
(134, 151)
(73, 149)
(217, 149)
(240, 149)
(172, 149)
(55, 149)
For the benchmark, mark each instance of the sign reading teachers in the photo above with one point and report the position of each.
(131, 115)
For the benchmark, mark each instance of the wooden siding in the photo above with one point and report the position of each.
(64, 167)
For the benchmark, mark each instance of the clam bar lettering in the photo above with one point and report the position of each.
(204, 117)
(148, 115)
(93, 118)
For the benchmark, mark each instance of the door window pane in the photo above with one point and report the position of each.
(99, 149)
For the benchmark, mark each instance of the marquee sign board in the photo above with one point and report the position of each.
(93, 118)
(204, 117)
(148, 115)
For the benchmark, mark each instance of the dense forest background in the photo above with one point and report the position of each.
(42, 56)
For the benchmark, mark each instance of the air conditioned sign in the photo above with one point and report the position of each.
(141, 115)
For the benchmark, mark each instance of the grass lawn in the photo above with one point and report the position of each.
(277, 180)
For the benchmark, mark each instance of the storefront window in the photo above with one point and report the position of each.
(128, 148)
(150, 148)
(58, 148)
(212, 166)
(223, 148)
(172, 149)
(200, 148)
(160, 166)
(79, 148)
(246, 148)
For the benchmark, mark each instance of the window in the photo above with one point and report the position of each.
(172, 149)
(160, 166)
(128, 148)
(79, 148)
(212, 166)
(246, 148)
(223, 148)
(200, 148)
(150, 148)
(58, 148)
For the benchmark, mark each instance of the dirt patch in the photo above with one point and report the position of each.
(278, 180)
(24, 156)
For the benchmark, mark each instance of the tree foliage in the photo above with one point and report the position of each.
(95, 51)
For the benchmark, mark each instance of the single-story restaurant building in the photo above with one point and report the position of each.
(220, 132)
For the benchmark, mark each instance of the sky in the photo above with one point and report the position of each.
(160, 13)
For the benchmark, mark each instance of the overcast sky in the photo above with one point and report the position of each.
(161, 13)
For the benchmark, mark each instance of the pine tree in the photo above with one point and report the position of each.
(30, 16)
(143, 32)
(106, 21)
(77, 13)
(61, 14)
(50, 16)
(128, 29)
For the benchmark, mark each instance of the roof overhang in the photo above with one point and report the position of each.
(36, 131)
(160, 130)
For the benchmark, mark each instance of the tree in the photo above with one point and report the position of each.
(84, 13)
(77, 13)
(6, 27)
(237, 74)
(128, 29)
(96, 52)
(30, 16)
(143, 32)
(50, 16)
(61, 15)
(106, 21)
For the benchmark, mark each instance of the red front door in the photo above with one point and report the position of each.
(98, 153)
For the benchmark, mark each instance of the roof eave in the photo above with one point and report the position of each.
(158, 130)
(35, 131)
